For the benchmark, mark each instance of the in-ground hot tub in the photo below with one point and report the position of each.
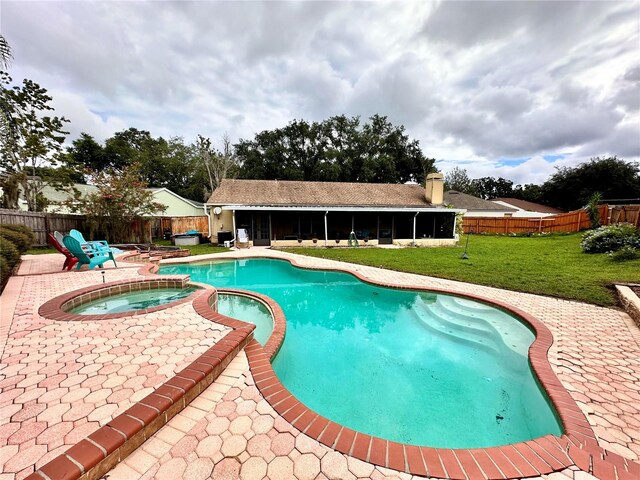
(119, 299)
(133, 301)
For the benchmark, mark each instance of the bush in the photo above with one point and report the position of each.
(5, 271)
(610, 238)
(20, 229)
(9, 252)
(20, 240)
(625, 253)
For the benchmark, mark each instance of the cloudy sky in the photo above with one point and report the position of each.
(508, 89)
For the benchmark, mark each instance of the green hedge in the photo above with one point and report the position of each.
(611, 238)
(5, 271)
(20, 240)
(23, 229)
(14, 240)
(8, 251)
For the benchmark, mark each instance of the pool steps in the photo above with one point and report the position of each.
(453, 320)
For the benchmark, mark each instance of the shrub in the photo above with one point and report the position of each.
(610, 238)
(9, 252)
(20, 229)
(5, 271)
(20, 240)
(625, 253)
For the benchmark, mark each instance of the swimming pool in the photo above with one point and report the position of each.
(248, 310)
(413, 367)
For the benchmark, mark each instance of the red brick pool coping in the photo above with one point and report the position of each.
(58, 308)
(92, 457)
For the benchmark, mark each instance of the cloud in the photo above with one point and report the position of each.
(474, 82)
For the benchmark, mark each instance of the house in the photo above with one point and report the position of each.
(285, 213)
(527, 209)
(177, 206)
(476, 206)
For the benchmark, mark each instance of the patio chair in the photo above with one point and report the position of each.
(88, 254)
(243, 236)
(69, 260)
(101, 245)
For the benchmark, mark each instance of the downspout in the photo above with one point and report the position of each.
(234, 229)
(414, 228)
(455, 219)
(325, 227)
(206, 212)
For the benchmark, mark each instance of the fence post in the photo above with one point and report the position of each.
(579, 220)
(506, 225)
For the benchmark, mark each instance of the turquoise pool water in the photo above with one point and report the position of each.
(412, 367)
(130, 301)
(248, 310)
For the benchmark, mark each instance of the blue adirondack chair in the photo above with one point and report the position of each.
(101, 245)
(87, 254)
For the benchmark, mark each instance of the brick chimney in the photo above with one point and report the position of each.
(434, 188)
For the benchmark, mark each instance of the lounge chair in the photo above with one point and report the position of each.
(243, 236)
(69, 260)
(87, 254)
(101, 245)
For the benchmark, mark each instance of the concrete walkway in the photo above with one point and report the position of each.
(62, 380)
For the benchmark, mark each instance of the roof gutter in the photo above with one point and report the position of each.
(407, 209)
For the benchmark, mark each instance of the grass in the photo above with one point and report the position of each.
(550, 265)
(40, 250)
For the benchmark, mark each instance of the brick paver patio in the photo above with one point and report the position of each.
(60, 381)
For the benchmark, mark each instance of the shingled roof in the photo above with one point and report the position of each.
(318, 194)
(469, 202)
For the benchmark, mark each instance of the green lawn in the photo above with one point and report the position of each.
(550, 265)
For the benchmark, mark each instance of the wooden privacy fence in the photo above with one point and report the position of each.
(564, 222)
(140, 231)
(180, 225)
(42, 223)
(625, 213)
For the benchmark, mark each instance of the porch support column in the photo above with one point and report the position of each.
(234, 228)
(414, 227)
(455, 219)
(326, 234)
(353, 224)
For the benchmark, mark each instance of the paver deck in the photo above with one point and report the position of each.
(60, 381)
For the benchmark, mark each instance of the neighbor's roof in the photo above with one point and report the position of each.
(469, 202)
(324, 194)
(528, 206)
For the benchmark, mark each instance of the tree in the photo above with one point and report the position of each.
(162, 163)
(529, 192)
(5, 53)
(336, 149)
(120, 200)
(457, 179)
(490, 187)
(218, 164)
(571, 188)
(30, 139)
